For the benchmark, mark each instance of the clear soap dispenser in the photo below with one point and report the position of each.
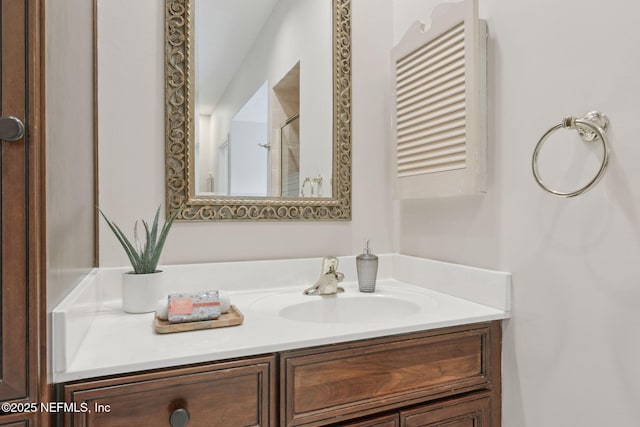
(367, 268)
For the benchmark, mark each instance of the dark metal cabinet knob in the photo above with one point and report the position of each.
(11, 128)
(179, 418)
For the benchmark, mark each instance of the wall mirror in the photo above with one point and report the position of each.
(258, 109)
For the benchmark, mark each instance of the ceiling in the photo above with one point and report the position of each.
(225, 30)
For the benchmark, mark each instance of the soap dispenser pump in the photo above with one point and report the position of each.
(367, 268)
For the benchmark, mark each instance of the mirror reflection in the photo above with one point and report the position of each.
(263, 98)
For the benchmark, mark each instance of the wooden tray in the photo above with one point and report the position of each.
(231, 318)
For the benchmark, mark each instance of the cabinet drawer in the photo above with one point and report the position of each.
(229, 394)
(342, 381)
(468, 411)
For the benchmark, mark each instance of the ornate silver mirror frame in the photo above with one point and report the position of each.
(180, 194)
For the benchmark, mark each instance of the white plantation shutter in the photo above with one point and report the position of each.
(440, 106)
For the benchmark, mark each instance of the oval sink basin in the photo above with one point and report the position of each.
(348, 307)
(335, 309)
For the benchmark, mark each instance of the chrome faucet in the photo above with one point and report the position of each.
(327, 284)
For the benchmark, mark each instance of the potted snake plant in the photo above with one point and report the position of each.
(142, 287)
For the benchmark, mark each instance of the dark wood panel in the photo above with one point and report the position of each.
(37, 213)
(380, 374)
(15, 319)
(495, 362)
(469, 411)
(225, 394)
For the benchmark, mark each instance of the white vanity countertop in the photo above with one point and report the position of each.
(90, 343)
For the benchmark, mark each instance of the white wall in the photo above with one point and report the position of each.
(571, 349)
(69, 145)
(131, 145)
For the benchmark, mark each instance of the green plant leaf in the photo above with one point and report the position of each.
(144, 260)
(134, 257)
(163, 236)
(153, 248)
(133, 254)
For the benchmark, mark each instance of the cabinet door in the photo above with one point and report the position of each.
(468, 411)
(224, 394)
(19, 218)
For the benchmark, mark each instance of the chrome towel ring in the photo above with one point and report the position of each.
(593, 126)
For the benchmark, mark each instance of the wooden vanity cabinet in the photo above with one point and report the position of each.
(223, 394)
(449, 376)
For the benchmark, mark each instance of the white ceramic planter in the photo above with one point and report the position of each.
(141, 292)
